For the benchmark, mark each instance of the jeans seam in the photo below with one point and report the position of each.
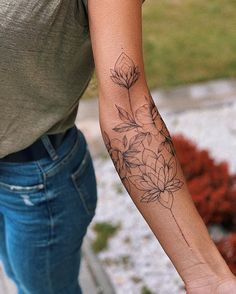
(84, 162)
(82, 198)
(51, 236)
(48, 208)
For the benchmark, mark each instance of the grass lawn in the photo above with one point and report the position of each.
(186, 41)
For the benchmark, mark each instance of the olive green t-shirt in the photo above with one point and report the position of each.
(46, 63)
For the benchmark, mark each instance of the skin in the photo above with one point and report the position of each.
(141, 148)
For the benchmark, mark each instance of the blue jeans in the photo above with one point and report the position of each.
(45, 209)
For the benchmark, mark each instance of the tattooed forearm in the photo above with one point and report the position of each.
(143, 153)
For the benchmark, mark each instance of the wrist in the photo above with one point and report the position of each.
(221, 285)
(202, 260)
(211, 267)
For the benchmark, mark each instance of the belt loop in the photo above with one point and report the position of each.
(48, 145)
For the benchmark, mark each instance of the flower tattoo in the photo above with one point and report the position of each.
(125, 73)
(124, 153)
(143, 153)
(158, 179)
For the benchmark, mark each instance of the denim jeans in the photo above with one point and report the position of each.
(45, 208)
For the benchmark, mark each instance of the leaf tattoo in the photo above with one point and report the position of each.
(124, 115)
(128, 121)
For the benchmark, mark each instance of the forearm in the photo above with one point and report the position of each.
(144, 156)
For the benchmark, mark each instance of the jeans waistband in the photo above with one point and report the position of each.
(44, 146)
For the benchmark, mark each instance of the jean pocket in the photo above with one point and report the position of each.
(84, 180)
(30, 195)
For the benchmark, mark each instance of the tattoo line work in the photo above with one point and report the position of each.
(139, 158)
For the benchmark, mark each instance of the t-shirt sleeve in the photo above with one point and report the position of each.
(86, 3)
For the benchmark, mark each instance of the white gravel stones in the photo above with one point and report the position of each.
(134, 257)
(214, 129)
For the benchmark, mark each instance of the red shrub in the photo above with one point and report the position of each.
(212, 188)
(227, 247)
(213, 191)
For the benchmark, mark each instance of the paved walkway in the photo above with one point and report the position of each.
(199, 96)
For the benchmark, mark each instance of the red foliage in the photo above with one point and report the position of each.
(213, 191)
(212, 188)
(227, 247)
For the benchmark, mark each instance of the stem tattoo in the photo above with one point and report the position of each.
(145, 156)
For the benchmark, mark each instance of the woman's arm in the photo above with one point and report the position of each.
(140, 145)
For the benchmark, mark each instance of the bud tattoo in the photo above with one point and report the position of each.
(144, 155)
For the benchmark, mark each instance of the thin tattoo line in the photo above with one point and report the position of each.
(179, 227)
(130, 104)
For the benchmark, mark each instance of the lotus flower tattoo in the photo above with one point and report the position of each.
(158, 179)
(125, 73)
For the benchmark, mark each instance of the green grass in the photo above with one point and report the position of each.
(186, 41)
(104, 231)
(145, 290)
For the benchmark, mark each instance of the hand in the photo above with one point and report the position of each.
(217, 286)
